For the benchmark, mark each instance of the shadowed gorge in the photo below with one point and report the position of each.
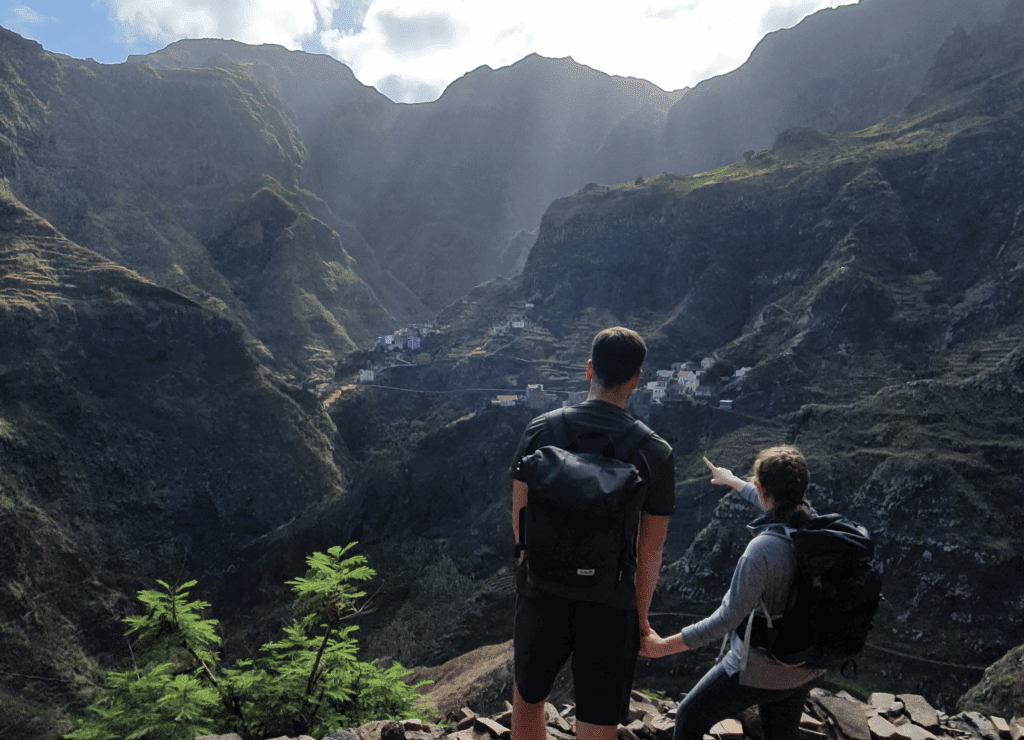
(200, 248)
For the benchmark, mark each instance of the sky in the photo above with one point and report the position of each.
(410, 50)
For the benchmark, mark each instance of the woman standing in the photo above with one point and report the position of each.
(763, 580)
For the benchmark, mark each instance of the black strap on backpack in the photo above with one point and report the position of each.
(621, 448)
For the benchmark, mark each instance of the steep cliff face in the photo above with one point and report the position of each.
(343, 123)
(484, 160)
(158, 169)
(871, 280)
(838, 70)
(439, 189)
(139, 439)
(872, 283)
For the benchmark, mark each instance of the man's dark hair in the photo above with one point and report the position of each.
(617, 355)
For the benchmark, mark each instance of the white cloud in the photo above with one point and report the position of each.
(284, 22)
(413, 49)
(26, 16)
(420, 45)
(786, 14)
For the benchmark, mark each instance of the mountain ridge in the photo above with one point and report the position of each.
(870, 280)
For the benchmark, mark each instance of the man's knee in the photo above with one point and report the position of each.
(528, 722)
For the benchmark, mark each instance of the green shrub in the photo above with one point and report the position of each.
(308, 682)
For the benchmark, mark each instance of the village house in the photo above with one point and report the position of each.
(367, 376)
(688, 381)
(658, 389)
(505, 401)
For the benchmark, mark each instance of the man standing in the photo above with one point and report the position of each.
(602, 637)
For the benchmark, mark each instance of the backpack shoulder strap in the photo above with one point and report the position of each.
(559, 426)
(630, 443)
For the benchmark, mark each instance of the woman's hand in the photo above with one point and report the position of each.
(724, 476)
(653, 645)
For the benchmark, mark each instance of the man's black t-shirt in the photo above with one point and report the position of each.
(653, 459)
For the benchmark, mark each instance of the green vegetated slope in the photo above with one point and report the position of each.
(139, 439)
(197, 180)
(872, 281)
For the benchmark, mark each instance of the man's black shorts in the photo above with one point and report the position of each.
(602, 640)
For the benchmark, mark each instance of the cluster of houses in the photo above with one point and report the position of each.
(536, 398)
(683, 379)
(403, 339)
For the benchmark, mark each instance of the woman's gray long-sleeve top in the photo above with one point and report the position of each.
(765, 572)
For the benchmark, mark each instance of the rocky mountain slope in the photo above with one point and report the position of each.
(140, 438)
(195, 179)
(173, 262)
(840, 69)
(441, 188)
(871, 281)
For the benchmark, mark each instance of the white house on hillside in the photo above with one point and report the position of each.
(688, 381)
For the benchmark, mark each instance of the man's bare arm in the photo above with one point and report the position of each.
(648, 563)
(519, 491)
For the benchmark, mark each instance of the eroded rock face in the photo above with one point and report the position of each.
(140, 438)
(838, 70)
(873, 286)
(160, 170)
(1001, 689)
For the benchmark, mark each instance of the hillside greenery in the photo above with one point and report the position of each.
(308, 681)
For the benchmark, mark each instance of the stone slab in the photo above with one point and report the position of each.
(920, 711)
(811, 723)
(727, 729)
(1001, 726)
(886, 704)
(850, 720)
(492, 728)
(555, 719)
(882, 729)
(914, 731)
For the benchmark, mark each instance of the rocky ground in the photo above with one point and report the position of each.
(835, 716)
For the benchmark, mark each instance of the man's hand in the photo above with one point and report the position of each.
(724, 476)
(653, 645)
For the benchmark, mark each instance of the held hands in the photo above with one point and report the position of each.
(724, 476)
(653, 645)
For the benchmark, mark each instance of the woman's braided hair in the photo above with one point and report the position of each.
(782, 473)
